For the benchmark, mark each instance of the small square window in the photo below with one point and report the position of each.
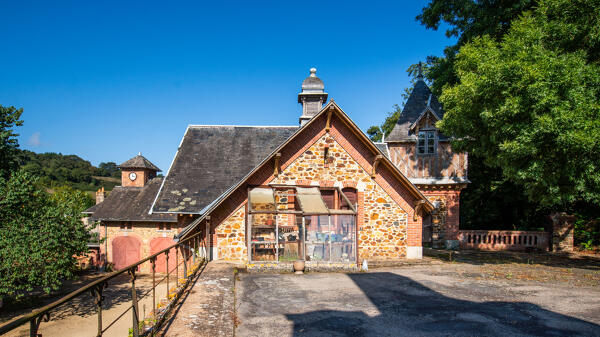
(426, 142)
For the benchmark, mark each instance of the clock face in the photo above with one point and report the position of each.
(132, 176)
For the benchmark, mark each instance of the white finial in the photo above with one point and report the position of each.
(139, 153)
(313, 72)
(383, 137)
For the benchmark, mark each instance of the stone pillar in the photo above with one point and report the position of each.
(562, 232)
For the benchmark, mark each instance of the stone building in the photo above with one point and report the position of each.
(425, 157)
(321, 191)
(129, 231)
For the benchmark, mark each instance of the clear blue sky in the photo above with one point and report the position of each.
(106, 80)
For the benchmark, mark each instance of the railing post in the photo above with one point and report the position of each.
(98, 298)
(194, 252)
(34, 324)
(185, 273)
(153, 262)
(167, 259)
(134, 303)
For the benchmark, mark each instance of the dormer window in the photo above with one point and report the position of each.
(426, 142)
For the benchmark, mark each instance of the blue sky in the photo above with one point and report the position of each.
(106, 80)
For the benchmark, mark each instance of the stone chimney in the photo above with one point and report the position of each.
(100, 195)
(312, 97)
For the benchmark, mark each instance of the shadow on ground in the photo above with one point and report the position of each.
(408, 308)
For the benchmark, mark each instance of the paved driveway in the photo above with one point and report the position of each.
(445, 299)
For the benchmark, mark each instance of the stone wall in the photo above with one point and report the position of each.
(382, 233)
(231, 237)
(562, 232)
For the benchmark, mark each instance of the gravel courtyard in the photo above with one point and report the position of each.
(435, 298)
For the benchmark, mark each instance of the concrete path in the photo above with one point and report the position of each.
(436, 300)
(206, 309)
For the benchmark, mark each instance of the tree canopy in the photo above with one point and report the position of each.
(9, 119)
(529, 102)
(40, 233)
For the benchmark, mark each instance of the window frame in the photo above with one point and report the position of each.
(427, 135)
(338, 196)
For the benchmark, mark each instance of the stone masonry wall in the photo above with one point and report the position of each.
(383, 233)
(231, 237)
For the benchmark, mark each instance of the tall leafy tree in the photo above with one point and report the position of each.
(40, 235)
(466, 20)
(10, 117)
(528, 103)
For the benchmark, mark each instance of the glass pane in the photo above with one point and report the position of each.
(262, 199)
(290, 240)
(421, 149)
(317, 238)
(343, 238)
(263, 252)
(263, 228)
(329, 198)
(430, 149)
(431, 135)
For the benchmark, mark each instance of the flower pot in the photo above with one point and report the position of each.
(298, 266)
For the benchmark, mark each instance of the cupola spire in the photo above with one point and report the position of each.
(312, 97)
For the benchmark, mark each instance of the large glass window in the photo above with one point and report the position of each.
(426, 142)
(292, 223)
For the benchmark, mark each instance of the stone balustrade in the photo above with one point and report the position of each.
(503, 240)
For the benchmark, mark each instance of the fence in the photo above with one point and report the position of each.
(503, 240)
(188, 249)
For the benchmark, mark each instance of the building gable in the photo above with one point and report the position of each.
(331, 120)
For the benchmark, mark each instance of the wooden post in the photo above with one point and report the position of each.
(134, 303)
(153, 261)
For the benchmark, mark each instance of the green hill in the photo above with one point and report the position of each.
(56, 169)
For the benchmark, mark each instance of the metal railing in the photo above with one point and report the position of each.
(189, 250)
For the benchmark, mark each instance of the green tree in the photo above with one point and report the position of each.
(466, 20)
(9, 118)
(528, 103)
(109, 169)
(40, 235)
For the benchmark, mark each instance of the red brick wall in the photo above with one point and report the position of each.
(451, 199)
(142, 177)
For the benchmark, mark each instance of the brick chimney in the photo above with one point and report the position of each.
(312, 97)
(100, 195)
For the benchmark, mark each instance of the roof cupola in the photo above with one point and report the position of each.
(137, 171)
(312, 97)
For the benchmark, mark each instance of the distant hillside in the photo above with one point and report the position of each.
(55, 169)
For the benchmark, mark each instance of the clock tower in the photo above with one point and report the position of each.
(137, 171)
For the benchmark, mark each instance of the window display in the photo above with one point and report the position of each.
(294, 223)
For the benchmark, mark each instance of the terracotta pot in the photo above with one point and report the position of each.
(298, 266)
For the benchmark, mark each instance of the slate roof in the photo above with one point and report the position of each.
(414, 107)
(139, 161)
(211, 159)
(130, 204)
(383, 148)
